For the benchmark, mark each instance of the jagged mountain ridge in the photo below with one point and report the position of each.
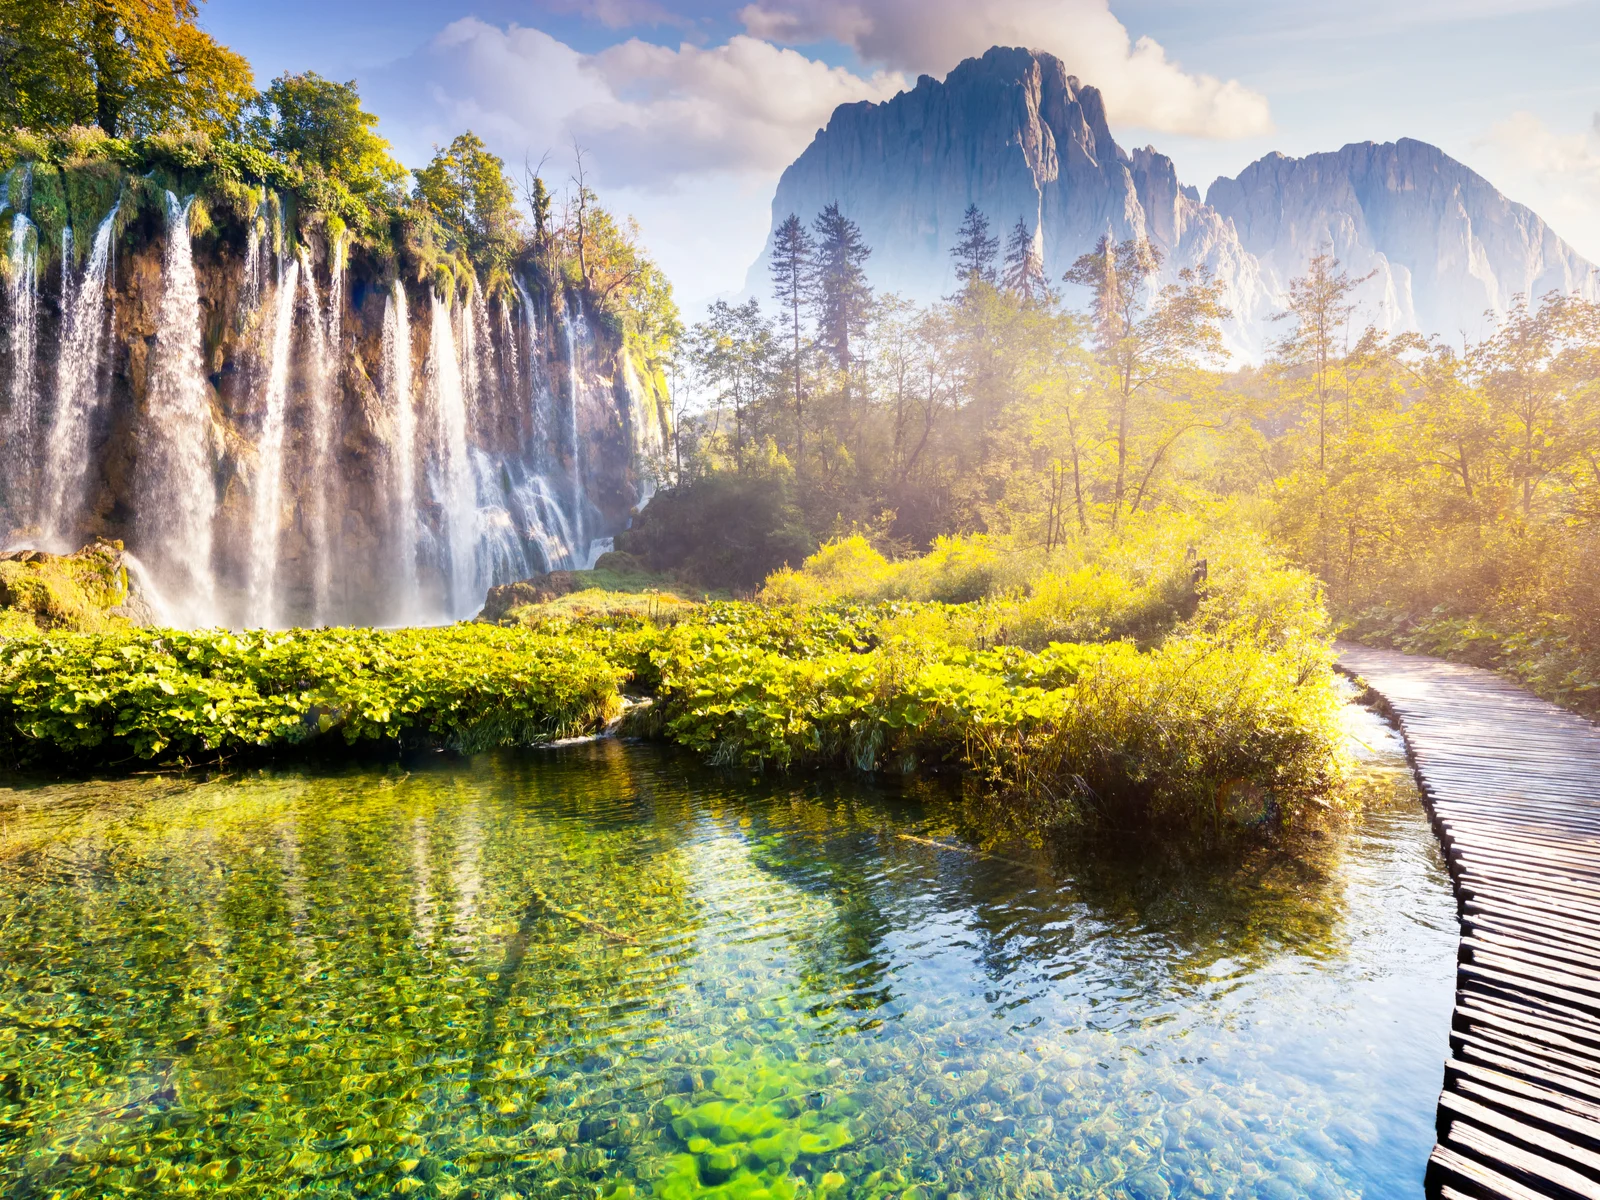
(1016, 135)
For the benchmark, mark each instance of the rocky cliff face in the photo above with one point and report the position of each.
(302, 434)
(1016, 135)
(1444, 247)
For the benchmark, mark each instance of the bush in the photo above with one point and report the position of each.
(722, 531)
(164, 696)
(82, 591)
(1228, 722)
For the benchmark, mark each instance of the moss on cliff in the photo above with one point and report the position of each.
(88, 591)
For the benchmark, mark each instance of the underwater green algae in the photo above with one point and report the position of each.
(604, 971)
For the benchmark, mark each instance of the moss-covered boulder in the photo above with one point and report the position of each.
(88, 591)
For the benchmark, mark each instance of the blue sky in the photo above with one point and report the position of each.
(690, 110)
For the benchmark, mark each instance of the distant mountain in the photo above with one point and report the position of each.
(1016, 135)
(1444, 245)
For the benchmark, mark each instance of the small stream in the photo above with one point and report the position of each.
(604, 970)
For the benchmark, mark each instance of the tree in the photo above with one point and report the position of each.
(1064, 423)
(793, 267)
(466, 188)
(1024, 274)
(536, 195)
(1319, 305)
(129, 66)
(843, 299)
(583, 197)
(1144, 348)
(1536, 372)
(974, 252)
(731, 350)
(319, 126)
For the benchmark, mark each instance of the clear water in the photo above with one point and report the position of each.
(602, 970)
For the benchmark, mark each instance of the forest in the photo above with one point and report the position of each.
(1445, 496)
(96, 91)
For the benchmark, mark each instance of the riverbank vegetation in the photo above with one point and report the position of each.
(1174, 679)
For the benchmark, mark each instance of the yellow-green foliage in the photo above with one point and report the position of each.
(1221, 715)
(616, 586)
(161, 694)
(1229, 716)
(62, 592)
(1139, 583)
(1221, 730)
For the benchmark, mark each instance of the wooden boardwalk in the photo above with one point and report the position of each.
(1513, 786)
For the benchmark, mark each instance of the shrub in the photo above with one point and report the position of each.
(722, 531)
(162, 695)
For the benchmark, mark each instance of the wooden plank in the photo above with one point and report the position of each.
(1512, 785)
(1446, 1162)
(1537, 1157)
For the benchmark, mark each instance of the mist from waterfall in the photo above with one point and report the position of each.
(18, 428)
(402, 472)
(267, 487)
(84, 318)
(178, 493)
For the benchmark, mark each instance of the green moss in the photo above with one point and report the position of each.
(763, 1137)
(71, 592)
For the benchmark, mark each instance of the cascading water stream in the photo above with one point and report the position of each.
(267, 486)
(66, 448)
(403, 453)
(320, 478)
(19, 429)
(453, 483)
(255, 256)
(480, 475)
(177, 485)
(570, 329)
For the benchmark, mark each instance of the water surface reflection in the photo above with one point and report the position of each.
(603, 970)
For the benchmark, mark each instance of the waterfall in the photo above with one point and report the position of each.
(453, 484)
(570, 330)
(177, 484)
(83, 327)
(321, 476)
(255, 256)
(508, 338)
(266, 515)
(19, 429)
(403, 454)
(544, 517)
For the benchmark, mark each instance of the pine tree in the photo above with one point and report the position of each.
(1024, 277)
(974, 251)
(843, 298)
(794, 285)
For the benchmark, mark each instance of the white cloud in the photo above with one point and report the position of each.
(651, 115)
(688, 139)
(745, 105)
(1141, 85)
(1555, 174)
(617, 14)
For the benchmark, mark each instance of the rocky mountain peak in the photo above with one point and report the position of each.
(1013, 133)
